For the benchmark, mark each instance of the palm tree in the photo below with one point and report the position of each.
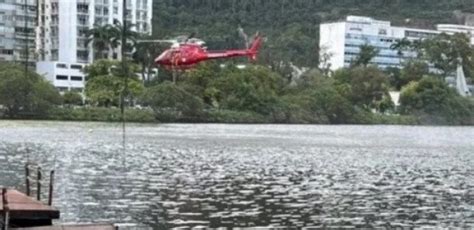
(117, 31)
(144, 55)
(101, 37)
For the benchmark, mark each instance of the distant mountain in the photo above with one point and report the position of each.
(292, 26)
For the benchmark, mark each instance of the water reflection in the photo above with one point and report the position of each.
(245, 176)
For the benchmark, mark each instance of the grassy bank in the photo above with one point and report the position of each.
(211, 116)
(100, 114)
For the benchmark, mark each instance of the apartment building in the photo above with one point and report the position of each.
(61, 38)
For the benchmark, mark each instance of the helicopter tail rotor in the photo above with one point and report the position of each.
(254, 48)
(244, 36)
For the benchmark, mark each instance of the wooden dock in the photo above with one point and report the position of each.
(73, 227)
(25, 211)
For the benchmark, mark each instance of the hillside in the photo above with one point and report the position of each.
(292, 26)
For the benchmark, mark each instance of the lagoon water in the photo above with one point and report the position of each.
(175, 175)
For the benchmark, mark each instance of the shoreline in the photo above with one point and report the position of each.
(221, 123)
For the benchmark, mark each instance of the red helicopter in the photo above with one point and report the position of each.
(185, 53)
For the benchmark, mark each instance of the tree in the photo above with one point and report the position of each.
(446, 52)
(401, 46)
(413, 71)
(101, 37)
(292, 27)
(171, 102)
(435, 102)
(130, 36)
(105, 83)
(365, 86)
(254, 88)
(72, 98)
(394, 77)
(25, 96)
(145, 55)
(366, 54)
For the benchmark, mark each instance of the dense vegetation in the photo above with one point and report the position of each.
(291, 26)
(25, 95)
(259, 93)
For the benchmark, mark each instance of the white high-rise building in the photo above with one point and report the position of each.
(341, 41)
(15, 34)
(61, 35)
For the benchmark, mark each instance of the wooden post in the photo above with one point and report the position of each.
(27, 179)
(6, 210)
(38, 184)
(51, 183)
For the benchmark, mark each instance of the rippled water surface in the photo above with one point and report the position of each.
(250, 175)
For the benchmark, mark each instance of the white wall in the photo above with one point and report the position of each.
(50, 70)
(332, 41)
(68, 31)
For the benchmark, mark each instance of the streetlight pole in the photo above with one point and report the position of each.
(124, 69)
(25, 30)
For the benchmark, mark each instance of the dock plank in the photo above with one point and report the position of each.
(72, 227)
(23, 206)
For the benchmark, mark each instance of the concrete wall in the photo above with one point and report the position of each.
(332, 40)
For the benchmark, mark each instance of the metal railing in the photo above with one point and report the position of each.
(39, 181)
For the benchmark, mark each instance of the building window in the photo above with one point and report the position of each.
(61, 77)
(76, 67)
(355, 29)
(76, 78)
(61, 66)
(98, 10)
(82, 8)
(7, 52)
(418, 34)
(82, 19)
(382, 32)
(82, 56)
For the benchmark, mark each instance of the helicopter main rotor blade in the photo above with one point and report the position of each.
(157, 41)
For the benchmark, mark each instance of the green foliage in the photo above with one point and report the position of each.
(171, 103)
(394, 77)
(292, 27)
(106, 37)
(145, 55)
(106, 83)
(366, 54)
(444, 51)
(101, 38)
(72, 98)
(229, 116)
(25, 96)
(447, 51)
(254, 88)
(436, 103)
(101, 114)
(413, 71)
(365, 86)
